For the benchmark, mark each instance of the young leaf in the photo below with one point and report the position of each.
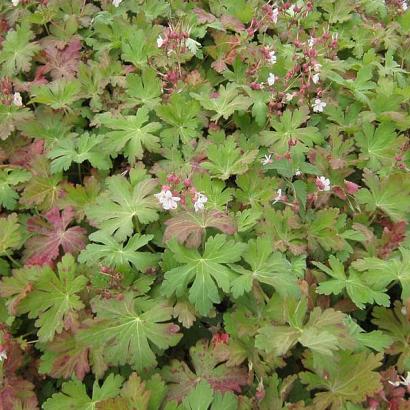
(10, 177)
(127, 328)
(266, 266)
(84, 148)
(391, 194)
(352, 380)
(226, 160)
(17, 51)
(358, 290)
(74, 394)
(107, 251)
(130, 134)
(10, 234)
(289, 127)
(54, 299)
(226, 101)
(115, 210)
(145, 89)
(206, 272)
(51, 232)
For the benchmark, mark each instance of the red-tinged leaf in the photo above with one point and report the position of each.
(394, 233)
(190, 227)
(62, 62)
(203, 16)
(50, 233)
(26, 154)
(208, 365)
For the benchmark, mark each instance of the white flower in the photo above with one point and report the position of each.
(3, 355)
(404, 5)
(404, 381)
(316, 67)
(275, 14)
(318, 105)
(311, 42)
(278, 196)
(116, 3)
(166, 199)
(200, 201)
(15, 3)
(267, 160)
(323, 183)
(298, 172)
(271, 79)
(160, 41)
(316, 78)
(192, 45)
(289, 97)
(17, 99)
(403, 310)
(272, 57)
(335, 36)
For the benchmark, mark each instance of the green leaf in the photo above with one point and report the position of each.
(381, 273)
(10, 177)
(225, 103)
(207, 272)
(130, 134)
(12, 118)
(144, 89)
(199, 398)
(54, 300)
(227, 159)
(17, 51)
(351, 380)
(391, 194)
(181, 114)
(290, 127)
(109, 252)
(84, 148)
(136, 47)
(358, 290)
(116, 209)
(128, 329)
(10, 234)
(74, 394)
(59, 94)
(268, 267)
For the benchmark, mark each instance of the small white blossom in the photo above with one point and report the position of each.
(17, 100)
(317, 67)
(311, 42)
(335, 36)
(192, 45)
(404, 6)
(272, 57)
(200, 201)
(289, 96)
(116, 3)
(403, 311)
(404, 381)
(318, 105)
(267, 159)
(15, 3)
(278, 196)
(271, 79)
(166, 199)
(3, 355)
(298, 172)
(160, 41)
(316, 78)
(323, 184)
(275, 14)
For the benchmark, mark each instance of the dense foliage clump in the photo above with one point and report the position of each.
(204, 204)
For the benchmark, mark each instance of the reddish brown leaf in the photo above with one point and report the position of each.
(203, 16)
(189, 227)
(50, 233)
(208, 364)
(393, 235)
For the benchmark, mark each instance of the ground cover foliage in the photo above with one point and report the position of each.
(204, 204)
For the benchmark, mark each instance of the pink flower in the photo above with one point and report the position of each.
(166, 199)
(322, 183)
(200, 201)
(351, 187)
